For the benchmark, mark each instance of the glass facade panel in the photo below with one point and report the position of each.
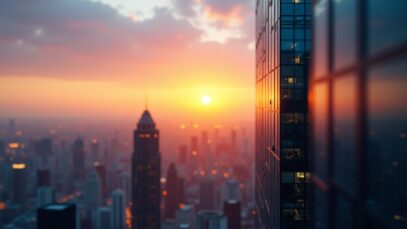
(321, 38)
(343, 212)
(386, 25)
(387, 137)
(344, 133)
(320, 121)
(345, 32)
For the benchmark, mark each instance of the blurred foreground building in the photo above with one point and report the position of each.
(359, 114)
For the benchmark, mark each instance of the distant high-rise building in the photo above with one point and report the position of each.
(146, 174)
(43, 178)
(231, 190)
(174, 192)
(104, 218)
(125, 185)
(194, 153)
(283, 35)
(78, 154)
(2, 149)
(185, 215)
(232, 208)
(211, 220)
(93, 191)
(20, 186)
(183, 154)
(358, 107)
(45, 196)
(61, 216)
(95, 150)
(43, 151)
(207, 198)
(101, 171)
(118, 209)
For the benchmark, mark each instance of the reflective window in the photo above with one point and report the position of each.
(387, 27)
(319, 101)
(343, 212)
(387, 151)
(344, 110)
(320, 209)
(345, 32)
(292, 94)
(321, 38)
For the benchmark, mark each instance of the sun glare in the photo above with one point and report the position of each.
(206, 100)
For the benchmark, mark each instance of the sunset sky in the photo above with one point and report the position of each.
(99, 59)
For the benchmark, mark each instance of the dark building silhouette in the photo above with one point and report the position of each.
(101, 171)
(2, 149)
(207, 194)
(231, 209)
(95, 150)
(183, 154)
(146, 169)
(211, 220)
(43, 150)
(78, 154)
(43, 178)
(61, 216)
(20, 189)
(359, 114)
(174, 188)
(283, 35)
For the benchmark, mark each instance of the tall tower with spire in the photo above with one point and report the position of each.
(146, 170)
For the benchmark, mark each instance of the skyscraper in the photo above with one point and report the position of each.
(207, 198)
(78, 155)
(19, 192)
(174, 189)
(93, 191)
(43, 178)
(61, 216)
(104, 218)
(118, 209)
(359, 114)
(231, 209)
(283, 38)
(146, 172)
(211, 220)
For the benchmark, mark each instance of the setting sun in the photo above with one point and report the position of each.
(206, 100)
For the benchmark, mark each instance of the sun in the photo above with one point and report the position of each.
(206, 100)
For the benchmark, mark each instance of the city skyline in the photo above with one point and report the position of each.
(203, 114)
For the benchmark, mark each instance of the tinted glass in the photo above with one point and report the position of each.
(321, 38)
(320, 113)
(345, 32)
(387, 151)
(387, 27)
(344, 132)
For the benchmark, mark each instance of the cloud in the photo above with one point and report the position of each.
(86, 40)
(76, 38)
